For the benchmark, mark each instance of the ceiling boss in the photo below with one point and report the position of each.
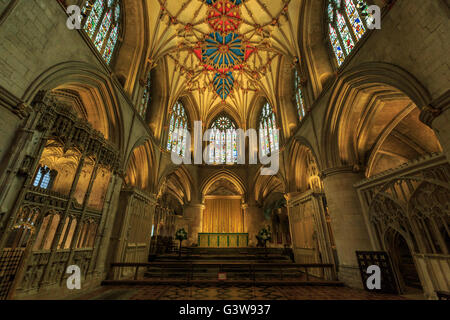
(224, 49)
(230, 40)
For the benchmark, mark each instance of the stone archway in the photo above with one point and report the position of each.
(403, 263)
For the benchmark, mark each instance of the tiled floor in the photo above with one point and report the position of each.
(207, 292)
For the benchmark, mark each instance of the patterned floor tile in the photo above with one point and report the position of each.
(233, 292)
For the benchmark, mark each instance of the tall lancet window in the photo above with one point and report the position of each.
(146, 97)
(347, 24)
(299, 98)
(102, 25)
(178, 128)
(223, 138)
(44, 177)
(268, 133)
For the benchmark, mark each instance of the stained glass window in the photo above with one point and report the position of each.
(268, 132)
(146, 96)
(45, 180)
(102, 25)
(44, 177)
(37, 179)
(223, 138)
(178, 127)
(355, 21)
(336, 44)
(107, 54)
(346, 27)
(94, 17)
(299, 99)
(104, 28)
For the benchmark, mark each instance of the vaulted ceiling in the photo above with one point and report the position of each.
(223, 52)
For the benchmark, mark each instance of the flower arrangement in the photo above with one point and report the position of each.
(265, 234)
(181, 234)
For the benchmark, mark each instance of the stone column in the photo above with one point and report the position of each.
(194, 214)
(254, 220)
(347, 221)
(290, 199)
(107, 223)
(438, 118)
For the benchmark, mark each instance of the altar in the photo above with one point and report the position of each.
(223, 240)
(223, 223)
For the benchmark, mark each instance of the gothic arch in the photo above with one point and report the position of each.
(364, 87)
(223, 174)
(255, 111)
(289, 116)
(106, 115)
(315, 59)
(224, 109)
(389, 238)
(130, 59)
(265, 186)
(157, 109)
(178, 181)
(141, 167)
(300, 153)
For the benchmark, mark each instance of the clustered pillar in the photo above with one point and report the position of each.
(347, 221)
(194, 214)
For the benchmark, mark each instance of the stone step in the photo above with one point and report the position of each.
(271, 258)
(230, 275)
(239, 251)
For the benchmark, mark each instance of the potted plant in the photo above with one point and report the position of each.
(181, 235)
(263, 236)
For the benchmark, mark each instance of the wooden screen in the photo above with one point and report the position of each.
(9, 263)
(380, 259)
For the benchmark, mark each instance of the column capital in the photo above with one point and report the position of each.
(433, 110)
(289, 196)
(196, 205)
(428, 114)
(340, 170)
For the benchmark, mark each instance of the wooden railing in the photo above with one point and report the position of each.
(246, 268)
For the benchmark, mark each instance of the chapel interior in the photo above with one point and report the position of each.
(166, 144)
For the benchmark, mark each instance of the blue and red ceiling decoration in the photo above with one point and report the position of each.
(224, 50)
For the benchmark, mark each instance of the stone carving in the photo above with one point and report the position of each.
(61, 123)
(417, 205)
(223, 187)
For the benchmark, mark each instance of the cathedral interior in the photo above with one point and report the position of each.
(224, 149)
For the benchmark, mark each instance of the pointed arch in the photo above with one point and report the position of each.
(304, 167)
(141, 167)
(265, 186)
(178, 182)
(223, 174)
(375, 80)
(99, 92)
